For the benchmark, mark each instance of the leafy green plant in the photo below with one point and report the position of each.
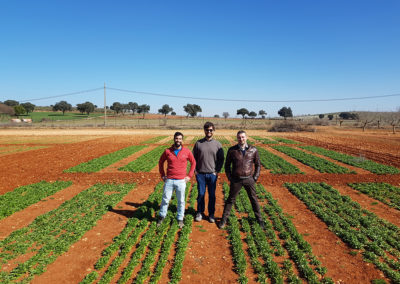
(97, 164)
(276, 164)
(24, 196)
(146, 162)
(155, 139)
(317, 163)
(384, 192)
(285, 140)
(264, 140)
(354, 161)
(51, 234)
(377, 239)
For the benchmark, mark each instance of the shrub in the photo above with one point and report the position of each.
(290, 126)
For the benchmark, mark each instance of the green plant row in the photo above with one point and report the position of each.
(196, 138)
(225, 148)
(141, 217)
(146, 162)
(126, 240)
(384, 192)
(51, 234)
(298, 249)
(26, 195)
(261, 246)
(377, 239)
(183, 240)
(148, 241)
(164, 253)
(222, 140)
(321, 165)
(365, 164)
(234, 237)
(102, 162)
(285, 140)
(264, 140)
(155, 139)
(276, 164)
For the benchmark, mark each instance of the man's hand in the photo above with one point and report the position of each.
(187, 179)
(164, 178)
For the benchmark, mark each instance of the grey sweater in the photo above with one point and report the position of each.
(209, 156)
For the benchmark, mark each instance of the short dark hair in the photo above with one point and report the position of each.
(178, 134)
(209, 124)
(240, 132)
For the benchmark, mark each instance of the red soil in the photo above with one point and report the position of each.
(208, 258)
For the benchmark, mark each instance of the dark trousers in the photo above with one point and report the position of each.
(235, 187)
(203, 180)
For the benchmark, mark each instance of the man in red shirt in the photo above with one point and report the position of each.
(176, 178)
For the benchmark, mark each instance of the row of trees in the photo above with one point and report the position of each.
(13, 107)
(191, 110)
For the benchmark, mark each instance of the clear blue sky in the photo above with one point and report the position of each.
(256, 50)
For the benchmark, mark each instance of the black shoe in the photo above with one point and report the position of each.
(159, 221)
(261, 223)
(222, 224)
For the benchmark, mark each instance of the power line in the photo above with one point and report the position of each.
(254, 101)
(64, 95)
(213, 99)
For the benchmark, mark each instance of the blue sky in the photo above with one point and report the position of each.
(250, 50)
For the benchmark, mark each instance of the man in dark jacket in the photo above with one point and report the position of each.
(242, 168)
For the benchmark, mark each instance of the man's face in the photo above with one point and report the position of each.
(178, 141)
(242, 139)
(209, 132)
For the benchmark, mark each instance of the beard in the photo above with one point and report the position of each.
(177, 144)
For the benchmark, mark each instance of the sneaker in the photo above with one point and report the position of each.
(180, 224)
(159, 221)
(199, 217)
(211, 219)
(222, 224)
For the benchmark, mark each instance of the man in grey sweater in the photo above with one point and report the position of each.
(209, 157)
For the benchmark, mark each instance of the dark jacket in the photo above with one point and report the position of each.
(239, 166)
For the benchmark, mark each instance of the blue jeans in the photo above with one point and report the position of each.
(203, 180)
(169, 185)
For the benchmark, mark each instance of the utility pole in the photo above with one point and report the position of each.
(105, 109)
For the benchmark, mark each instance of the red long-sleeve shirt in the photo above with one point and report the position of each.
(176, 164)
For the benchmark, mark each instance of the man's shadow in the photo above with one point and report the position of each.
(143, 210)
